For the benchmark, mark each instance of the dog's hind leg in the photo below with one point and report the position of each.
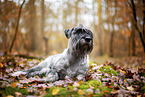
(32, 71)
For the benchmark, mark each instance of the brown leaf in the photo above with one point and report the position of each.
(80, 82)
(106, 91)
(13, 85)
(74, 78)
(88, 77)
(1, 65)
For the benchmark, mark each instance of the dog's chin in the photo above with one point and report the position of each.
(85, 48)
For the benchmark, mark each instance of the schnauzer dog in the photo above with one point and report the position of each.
(73, 62)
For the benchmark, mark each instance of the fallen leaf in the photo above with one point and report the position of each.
(1, 65)
(75, 89)
(130, 88)
(88, 77)
(18, 94)
(91, 87)
(80, 82)
(80, 92)
(9, 96)
(110, 86)
(74, 78)
(55, 91)
(13, 85)
(106, 91)
(129, 74)
(89, 91)
(114, 92)
(76, 85)
(122, 71)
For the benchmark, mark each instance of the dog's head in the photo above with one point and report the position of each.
(81, 39)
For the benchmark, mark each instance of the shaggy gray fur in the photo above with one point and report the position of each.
(73, 62)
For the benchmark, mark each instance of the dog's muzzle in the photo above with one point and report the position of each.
(88, 39)
(86, 44)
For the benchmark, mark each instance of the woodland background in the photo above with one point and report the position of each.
(35, 27)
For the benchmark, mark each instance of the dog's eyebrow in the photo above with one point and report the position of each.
(83, 29)
(78, 29)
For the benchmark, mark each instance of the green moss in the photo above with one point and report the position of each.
(70, 87)
(11, 91)
(109, 70)
(63, 92)
(114, 72)
(94, 83)
(84, 87)
(143, 89)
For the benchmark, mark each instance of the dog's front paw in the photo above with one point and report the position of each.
(51, 77)
(80, 77)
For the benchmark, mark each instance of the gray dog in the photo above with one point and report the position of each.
(73, 62)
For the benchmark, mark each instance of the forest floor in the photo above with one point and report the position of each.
(107, 77)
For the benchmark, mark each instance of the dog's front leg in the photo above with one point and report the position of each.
(80, 77)
(82, 71)
(51, 76)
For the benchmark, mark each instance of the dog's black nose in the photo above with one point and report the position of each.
(88, 39)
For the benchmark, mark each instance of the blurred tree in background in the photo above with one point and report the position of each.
(118, 25)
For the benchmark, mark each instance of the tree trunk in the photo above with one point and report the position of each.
(133, 38)
(42, 24)
(129, 45)
(111, 42)
(144, 20)
(32, 29)
(100, 27)
(112, 33)
(46, 39)
(136, 25)
(17, 26)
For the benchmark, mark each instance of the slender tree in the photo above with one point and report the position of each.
(133, 38)
(17, 26)
(113, 30)
(42, 26)
(32, 25)
(100, 30)
(141, 33)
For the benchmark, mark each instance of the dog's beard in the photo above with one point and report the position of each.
(83, 47)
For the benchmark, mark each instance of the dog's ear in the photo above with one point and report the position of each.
(68, 32)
